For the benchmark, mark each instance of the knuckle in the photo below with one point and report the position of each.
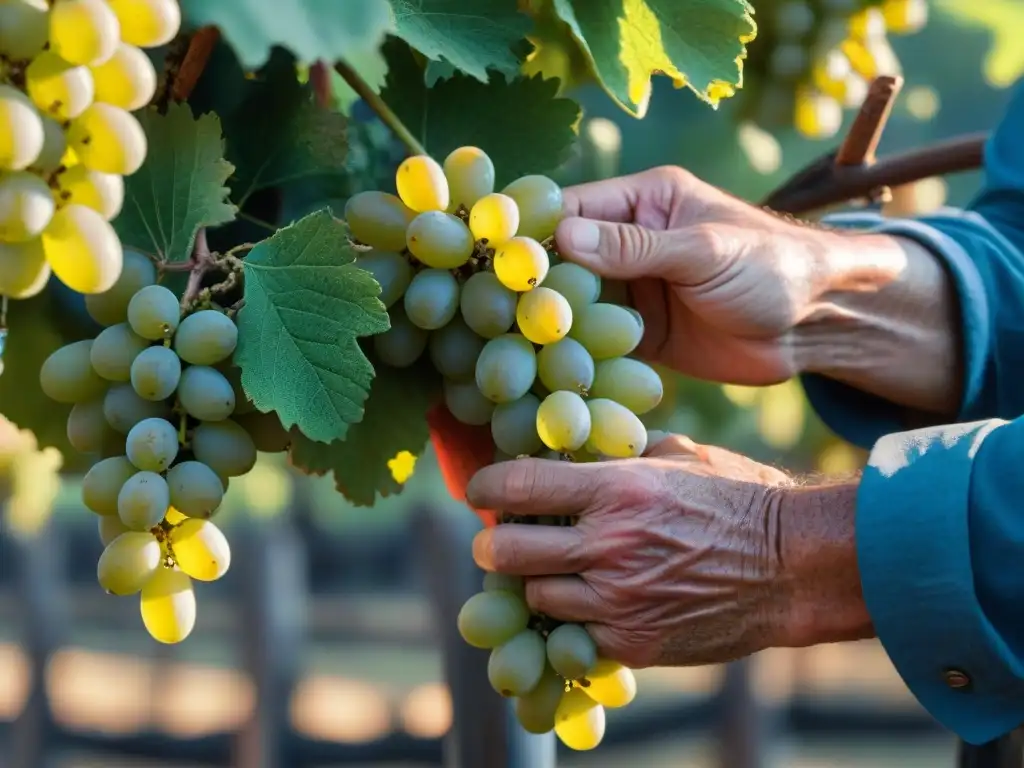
(672, 175)
(705, 238)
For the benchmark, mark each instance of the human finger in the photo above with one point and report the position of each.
(617, 199)
(566, 598)
(530, 550)
(535, 487)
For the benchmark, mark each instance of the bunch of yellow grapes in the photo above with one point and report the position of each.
(824, 53)
(71, 74)
(529, 345)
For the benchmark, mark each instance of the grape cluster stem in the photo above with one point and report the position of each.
(376, 103)
(184, 65)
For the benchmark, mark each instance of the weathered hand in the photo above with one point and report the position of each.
(674, 559)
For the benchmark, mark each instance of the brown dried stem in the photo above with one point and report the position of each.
(200, 48)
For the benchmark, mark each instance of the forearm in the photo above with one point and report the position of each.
(887, 323)
(819, 591)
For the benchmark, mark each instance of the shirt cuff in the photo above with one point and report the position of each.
(914, 555)
(862, 418)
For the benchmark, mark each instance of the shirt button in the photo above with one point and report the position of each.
(956, 679)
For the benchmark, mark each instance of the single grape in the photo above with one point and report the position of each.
(266, 431)
(24, 29)
(126, 80)
(571, 651)
(439, 240)
(465, 402)
(124, 408)
(205, 393)
(630, 382)
(152, 445)
(111, 306)
(128, 562)
(378, 219)
(904, 17)
(615, 431)
(543, 315)
(114, 351)
(578, 285)
(67, 375)
(147, 23)
(606, 330)
(421, 184)
(432, 299)
(224, 447)
(83, 31)
(26, 206)
(51, 156)
(487, 306)
(521, 264)
(514, 426)
(87, 427)
(83, 249)
(535, 710)
(103, 482)
(817, 115)
(154, 313)
(516, 667)
(155, 373)
(206, 337)
(200, 549)
(168, 606)
(195, 489)
(21, 130)
(391, 270)
(489, 619)
(108, 139)
(506, 368)
(539, 200)
(494, 219)
(494, 581)
(24, 270)
(57, 87)
(563, 421)
(579, 721)
(233, 374)
(143, 501)
(611, 684)
(109, 528)
(470, 175)
(567, 365)
(402, 344)
(454, 350)
(103, 192)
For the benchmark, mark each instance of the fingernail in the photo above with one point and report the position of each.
(584, 236)
(483, 549)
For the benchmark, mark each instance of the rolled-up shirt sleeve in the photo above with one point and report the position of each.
(940, 518)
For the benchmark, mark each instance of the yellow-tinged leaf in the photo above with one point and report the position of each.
(402, 466)
(1004, 19)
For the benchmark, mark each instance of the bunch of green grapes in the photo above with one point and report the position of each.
(526, 344)
(156, 396)
(29, 477)
(815, 58)
(71, 74)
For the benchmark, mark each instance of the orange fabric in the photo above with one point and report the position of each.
(461, 451)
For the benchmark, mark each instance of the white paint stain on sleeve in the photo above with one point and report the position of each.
(898, 451)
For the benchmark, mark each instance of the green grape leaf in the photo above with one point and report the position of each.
(395, 421)
(311, 29)
(306, 304)
(472, 37)
(522, 124)
(279, 135)
(1004, 63)
(179, 188)
(700, 44)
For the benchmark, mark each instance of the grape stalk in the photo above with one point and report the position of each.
(525, 343)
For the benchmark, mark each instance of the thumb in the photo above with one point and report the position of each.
(628, 251)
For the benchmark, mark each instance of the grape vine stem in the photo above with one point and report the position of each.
(383, 111)
(200, 263)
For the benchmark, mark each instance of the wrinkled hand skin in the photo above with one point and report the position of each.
(677, 553)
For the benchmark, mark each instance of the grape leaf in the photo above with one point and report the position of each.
(1004, 63)
(311, 29)
(473, 37)
(700, 44)
(395, 420)
(279, 135)
(180, 186)
(522, 124)
(306, 303)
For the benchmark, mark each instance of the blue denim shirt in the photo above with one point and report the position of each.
(940, 517)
